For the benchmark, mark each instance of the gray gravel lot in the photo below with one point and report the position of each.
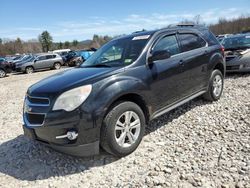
(200, 144)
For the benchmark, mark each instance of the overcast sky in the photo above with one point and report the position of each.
(78, 19)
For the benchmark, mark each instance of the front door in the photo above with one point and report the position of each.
(168, 81)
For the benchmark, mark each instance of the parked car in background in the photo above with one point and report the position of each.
(75, 58)
(62, 51)
(112, 96)
(222, 37)
(5, 67)
(237, 52)
(40, 61)
(85, 54)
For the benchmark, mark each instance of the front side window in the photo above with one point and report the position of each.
(168, 43)
(120, 52)
(41, 58)
(190, 42)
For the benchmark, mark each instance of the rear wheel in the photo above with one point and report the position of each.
(29, 70)
(216, 84)
(57, 66)
(2, 73)
(123, 129)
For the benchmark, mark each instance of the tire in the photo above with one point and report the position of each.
(2, 73)
(29, 70)
(215, 88)
(57, 66)
(129, 137)
(78, 63)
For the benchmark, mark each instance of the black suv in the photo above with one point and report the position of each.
(109, 99)
(5, 67)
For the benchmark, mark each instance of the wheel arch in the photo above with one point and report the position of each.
(131, 97)
(220, 66)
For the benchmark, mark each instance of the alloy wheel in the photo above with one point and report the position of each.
(2, 73)
(127, 129)
(217, 85)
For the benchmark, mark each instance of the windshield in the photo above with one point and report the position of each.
(120, 52)
(236, 42)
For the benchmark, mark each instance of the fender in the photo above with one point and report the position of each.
(113, 89)
(216, 59)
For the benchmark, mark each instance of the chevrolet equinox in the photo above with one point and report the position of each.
(108, 100)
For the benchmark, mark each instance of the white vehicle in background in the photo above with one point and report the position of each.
(222, 37)
(62, 52)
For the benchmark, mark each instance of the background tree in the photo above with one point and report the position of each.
(18, 46)
(60, 45)
(66, 44)
(75, 43)
(46, 40)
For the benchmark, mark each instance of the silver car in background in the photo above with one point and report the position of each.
(40, 62)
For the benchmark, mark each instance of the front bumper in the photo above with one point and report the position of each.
(44, 125)
(237, 68)
(88, 149)
(19, 69)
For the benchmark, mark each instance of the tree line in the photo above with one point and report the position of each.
(45, 43)
(238, 25)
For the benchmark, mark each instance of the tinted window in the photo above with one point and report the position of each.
(191, 42)
(41, 58)
(50, 56)
(168, 43)
(209, 36)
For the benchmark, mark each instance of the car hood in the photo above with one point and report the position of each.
(69, 79)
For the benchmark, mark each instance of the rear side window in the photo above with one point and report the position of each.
(50, 56)
(190, 42)
(209, 36)
(168, 43)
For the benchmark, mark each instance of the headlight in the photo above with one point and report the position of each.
(73, 98)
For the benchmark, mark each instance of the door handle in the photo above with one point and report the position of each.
(205, 52)
(181, 62)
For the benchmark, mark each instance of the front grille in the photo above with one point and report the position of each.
(35, 110)
(35, 119)
(234, 67)
(38, 100)
(230, 57)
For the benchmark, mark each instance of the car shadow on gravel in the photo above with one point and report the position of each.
(25, 159)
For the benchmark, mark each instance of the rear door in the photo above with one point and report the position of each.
(50, 61)
(195, 57)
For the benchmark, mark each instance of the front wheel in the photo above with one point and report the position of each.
(215, 88)
(2, 73)
(29, 70)
(123, 129)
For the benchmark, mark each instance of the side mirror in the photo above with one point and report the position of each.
(159, 55)
(35, 60)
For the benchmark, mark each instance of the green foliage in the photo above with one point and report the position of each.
(66, 44)
(46, 41)
(75, 43)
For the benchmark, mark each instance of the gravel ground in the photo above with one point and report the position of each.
(197, 145)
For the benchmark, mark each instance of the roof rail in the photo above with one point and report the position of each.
(186, 25)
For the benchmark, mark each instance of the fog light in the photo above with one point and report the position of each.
(71, 135)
